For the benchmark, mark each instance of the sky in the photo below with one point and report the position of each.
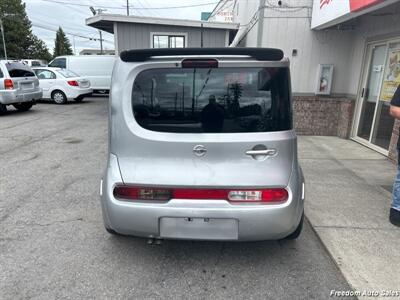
(47, 15)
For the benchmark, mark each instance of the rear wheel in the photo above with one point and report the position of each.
(112, 231)
(58, 97)
(295, 234)
(3, 109)
(23, 106)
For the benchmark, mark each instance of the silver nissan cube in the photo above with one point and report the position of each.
(202, 146)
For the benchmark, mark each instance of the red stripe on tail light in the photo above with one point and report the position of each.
(200, 63)
(237, 195)
(199, 194)
(73, 83)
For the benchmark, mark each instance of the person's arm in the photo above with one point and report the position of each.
(395, 104)
(395, 111)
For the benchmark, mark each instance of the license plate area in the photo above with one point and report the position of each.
(84, 84)
(26, 86)
(199, 228)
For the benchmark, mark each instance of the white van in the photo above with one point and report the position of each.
(96, 68)
(34, 62)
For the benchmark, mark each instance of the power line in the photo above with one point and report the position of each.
(69, 33)
(220, 9)
(68, 27)
(153, 12)
(130, 7)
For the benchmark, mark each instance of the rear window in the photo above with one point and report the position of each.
(215, 100)
(36, 63)
(67, 73)
(16, 69)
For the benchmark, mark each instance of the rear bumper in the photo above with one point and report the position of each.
(255, 222)
(15, 96)
(79, 92)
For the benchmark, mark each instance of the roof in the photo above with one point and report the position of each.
(106, 22)
(46, 68)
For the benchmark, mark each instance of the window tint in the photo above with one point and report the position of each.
(36, 63)
(45, 74)
(17, 69)
(1, 73)
(58, 63)
(220, 100)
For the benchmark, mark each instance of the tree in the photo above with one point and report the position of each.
(62, 45)
(39, 50)
(20, 41)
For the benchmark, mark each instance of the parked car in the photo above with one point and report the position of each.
(35, 62)
(96, 68)
(182, 165)
(61, 85)
(19, 86)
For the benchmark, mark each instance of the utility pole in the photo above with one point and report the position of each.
(260, 27)
(201, 35)
(97, 12)
(73, 39)
(101, 43)
(4, 41)
(127, 7)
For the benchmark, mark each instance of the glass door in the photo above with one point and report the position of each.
(375, 125)
(383, 123)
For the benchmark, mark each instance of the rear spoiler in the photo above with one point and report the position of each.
(263, 54)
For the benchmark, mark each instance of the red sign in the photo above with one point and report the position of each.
(331, 12)
(322, 3)
(361, 4)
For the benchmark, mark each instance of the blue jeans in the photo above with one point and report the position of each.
(396, 191)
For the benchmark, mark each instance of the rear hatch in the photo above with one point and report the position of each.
(204, 125)
(82, 82)
(23, 78)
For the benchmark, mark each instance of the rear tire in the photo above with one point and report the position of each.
(23, 106)
(58, 97)
(295, 234)
(3, 109)
(112, 231)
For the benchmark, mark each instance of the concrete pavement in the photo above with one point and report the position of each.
(347, 203)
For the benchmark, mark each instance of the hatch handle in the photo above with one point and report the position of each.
(267, 152)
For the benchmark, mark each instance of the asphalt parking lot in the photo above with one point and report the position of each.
(53, 244)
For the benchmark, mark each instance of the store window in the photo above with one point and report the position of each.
(160, 40)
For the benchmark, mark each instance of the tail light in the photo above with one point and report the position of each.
(8, 84)
(273, 195)
(138, 193)
(73, 83)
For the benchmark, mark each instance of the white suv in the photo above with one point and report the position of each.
(19, 86)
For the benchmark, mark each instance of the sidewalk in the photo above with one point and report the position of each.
(348, 195)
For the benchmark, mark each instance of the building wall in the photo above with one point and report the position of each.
(289, 29)
(323, 116)
(137, 36)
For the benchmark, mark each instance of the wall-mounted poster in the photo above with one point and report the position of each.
(324, 79)
(391, 79)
